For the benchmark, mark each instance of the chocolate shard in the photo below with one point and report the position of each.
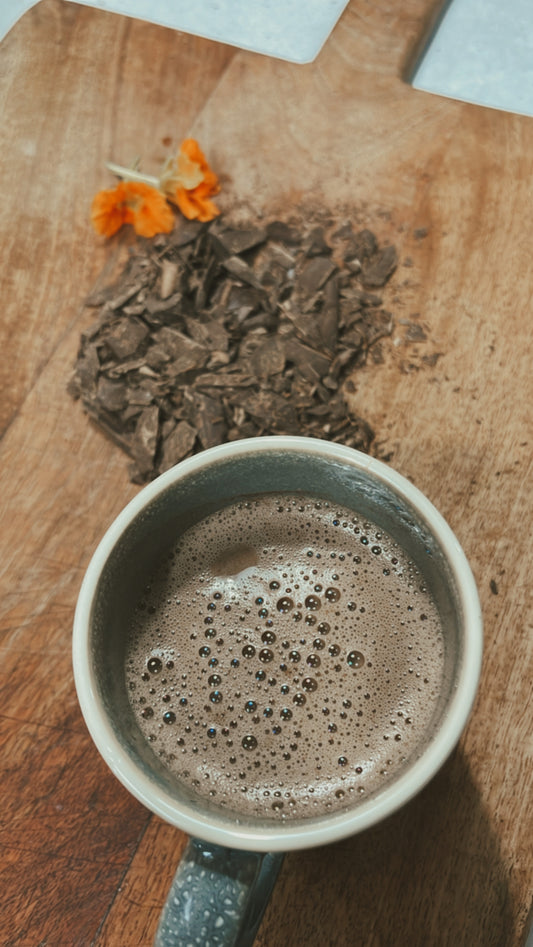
(170, 270)
(125, 337)
(221, 379)
(186, 232)
(85, 376)
(111, 395)
(157, 304)
(177, 444)
(415, 333)
(269, 357)
(314, 274)
(380, 268)
(185, 354)
(272, 409)
(361, 246)
(316, 244)
(211, 334)
(310, 362)
(206, 415)
(284, 233)
(234, 241)
(144, 443)
(241, 271)
(329, 317)
(243, 298)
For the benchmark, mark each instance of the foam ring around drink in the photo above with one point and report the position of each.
(286, 658)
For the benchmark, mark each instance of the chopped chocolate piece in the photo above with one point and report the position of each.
(315, 244)
(224, 380)
(186, 355)
(310, 362)
(207, 416)
(315, 273)
(84, 379)
(156, 304)
(169, 277)
(432, 359)
(232, 242)
(269, 357)
(415, 333)
(177, 444)
(271, 409)
(361, 246)
(211, 334)
(240, 269)
(111, 395)
(329, 316)
(186, 232)
(118, 301)
(125, 337)
(145, 440)
(278, 230)
(381, 267)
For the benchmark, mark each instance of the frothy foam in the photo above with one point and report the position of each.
(286, 658)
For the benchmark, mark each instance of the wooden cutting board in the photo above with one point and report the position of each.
(83, 863)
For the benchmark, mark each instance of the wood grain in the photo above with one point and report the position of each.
(82, 862)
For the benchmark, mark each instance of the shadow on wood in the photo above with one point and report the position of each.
(376, 881)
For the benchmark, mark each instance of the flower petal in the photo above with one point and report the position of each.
(189, 172)
(131, 202)
(150, 212)
(194, 205)
(108, 211)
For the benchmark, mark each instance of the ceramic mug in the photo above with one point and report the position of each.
(228, 871)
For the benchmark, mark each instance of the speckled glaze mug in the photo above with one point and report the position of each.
(230, 866)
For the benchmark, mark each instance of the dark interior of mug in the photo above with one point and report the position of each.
(189, 499)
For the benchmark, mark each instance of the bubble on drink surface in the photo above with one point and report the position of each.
(332, 594)
(355, 659)
(266, 655)
(249, 742)
(284, 604)
(309, 684)
(312, 602)
(154, 665)
(268, 637)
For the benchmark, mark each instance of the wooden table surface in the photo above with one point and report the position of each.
(82, 862)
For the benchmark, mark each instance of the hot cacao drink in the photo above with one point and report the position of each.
(285, 658)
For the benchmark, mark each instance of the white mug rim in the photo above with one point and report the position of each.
(281, 835)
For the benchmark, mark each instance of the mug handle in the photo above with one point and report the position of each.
(218, 896)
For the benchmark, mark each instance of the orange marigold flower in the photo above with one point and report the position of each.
(131, 202)
(190, 183)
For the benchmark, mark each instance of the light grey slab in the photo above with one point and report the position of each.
(481, 51)
(294, 30)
